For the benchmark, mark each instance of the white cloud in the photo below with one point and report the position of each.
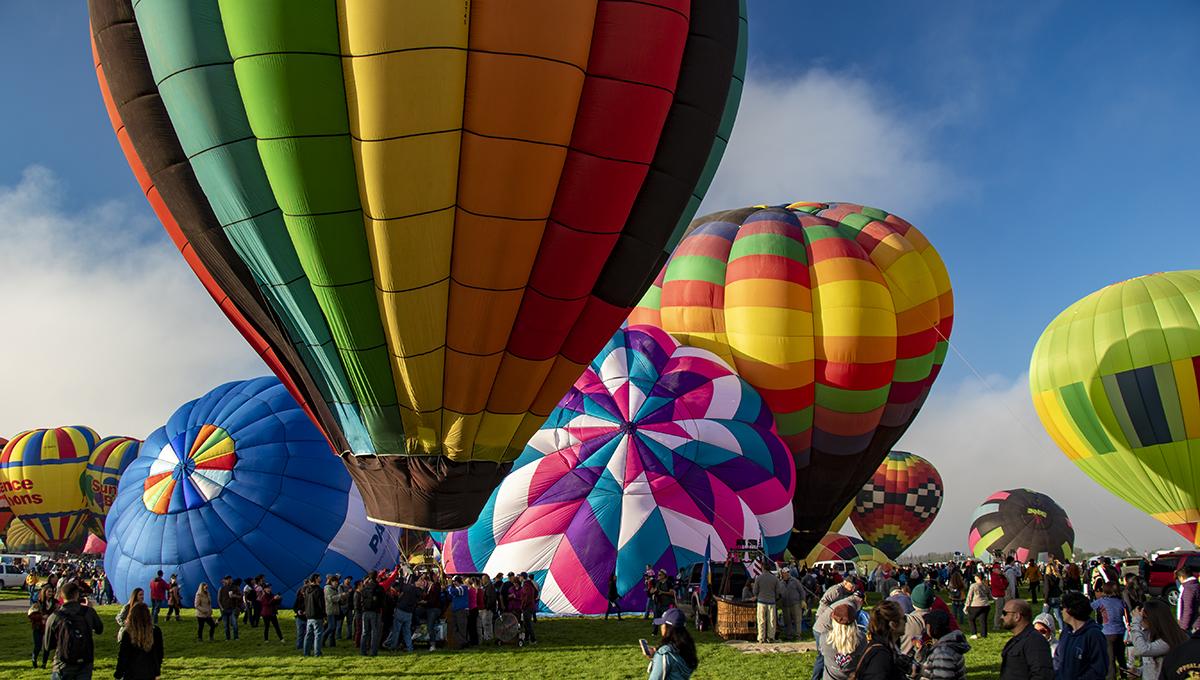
(983, 440)
(827, 137)
(101, 321)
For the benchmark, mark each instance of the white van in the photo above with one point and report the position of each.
(843, 567)
(11, 576)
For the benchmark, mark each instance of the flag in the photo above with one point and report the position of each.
(705, 572)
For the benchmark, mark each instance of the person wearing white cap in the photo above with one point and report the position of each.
(675, 656)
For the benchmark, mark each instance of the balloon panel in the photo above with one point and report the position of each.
(659, 455)
(1114, 381)
(108, 461)
(429, 271)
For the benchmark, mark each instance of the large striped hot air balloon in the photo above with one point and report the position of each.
(898, 503)
(6, 515)
(1115, 381)
(21, 539)
(426, 216)
(838, 547)
(39, 474)
(838, 314)
(1023, 523)
(102, 475)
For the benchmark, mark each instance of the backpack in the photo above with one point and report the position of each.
(74, 640)
(370, 598)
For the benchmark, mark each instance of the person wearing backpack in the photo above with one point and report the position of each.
(69, 632)
(140, 651)
(371, 601)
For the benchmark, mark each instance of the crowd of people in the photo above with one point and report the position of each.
(1075, 621)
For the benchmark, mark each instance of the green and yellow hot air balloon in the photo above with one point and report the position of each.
(1114, 381)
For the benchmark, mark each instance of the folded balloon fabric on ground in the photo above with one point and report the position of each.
(659, 455)
(240, 482)
(426, 222)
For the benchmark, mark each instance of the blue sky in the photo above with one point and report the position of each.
(1045, 155)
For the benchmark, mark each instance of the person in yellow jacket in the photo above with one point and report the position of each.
(1033, 576)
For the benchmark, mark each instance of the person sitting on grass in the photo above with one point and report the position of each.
(140, 652)
(675, 656)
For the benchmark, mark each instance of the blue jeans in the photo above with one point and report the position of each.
(155, 607)
(819, 665)
(331, 621)
(81, 673)
(401, 630)
(370, 634)
(229, 616)
(300, 624)
(312, 636)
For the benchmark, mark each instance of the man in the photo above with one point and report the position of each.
(1026, 655)
(1188, 608)
(460, 604)
(370, 602)
(902, 596)
(69, 633)
(529, 602)
(228, 598)
(766, 590)
(346, 593)
(407, 596)
(314, 610)
(1033, 576)
(792, 598)
(999, 586)
(916, 634)
(333, 609)
(158, 595)
(1183, 662)
(833, 595)
(1082, 653)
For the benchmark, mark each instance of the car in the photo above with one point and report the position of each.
(1138, 566)
(11, 576)
(843, 567)
(1161, 577)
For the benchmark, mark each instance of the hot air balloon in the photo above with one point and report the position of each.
(838, 314)
(20, 538)
(39, 474)
(658, 455)
(838, 547)
(899, 503)
(1114, 381)
(427, 217)
(6, 514)
(240, 482)
(840, 521)
(104, 468)
(1023, 523)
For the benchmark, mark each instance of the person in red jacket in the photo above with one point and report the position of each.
(529, 599)
(268, 604)
(999, 585)
(158, 596)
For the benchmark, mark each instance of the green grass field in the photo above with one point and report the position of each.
(568, 648)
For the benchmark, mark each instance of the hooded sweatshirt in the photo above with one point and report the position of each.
(945, 660)
(1047, 620)
(1082, 654)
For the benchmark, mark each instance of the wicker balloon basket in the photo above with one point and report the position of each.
(736, 620)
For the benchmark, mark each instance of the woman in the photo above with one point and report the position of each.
(675, 656)
(140, 652)
(137, 596)
(842, 646)
(943, 659)
(614, 597)
(39, 611)
(979, 601)
(882, 659)
(958, 595)
(1154, 632)
(1054, 593)
(268, 607)
(203, 606)
(174, 598)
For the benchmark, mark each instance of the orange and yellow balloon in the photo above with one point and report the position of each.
(39, 474)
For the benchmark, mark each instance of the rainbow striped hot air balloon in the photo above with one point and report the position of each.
(41, 471)
(838, 314)
(834, 546)
(102, 475)
(1115, 379)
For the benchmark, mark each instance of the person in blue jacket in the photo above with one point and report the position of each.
(1082, 652)
(675, 656)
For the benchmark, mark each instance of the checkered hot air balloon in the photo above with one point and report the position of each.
(658, 452)
(898, 504)
(40, 471)
(1022, 523)
(838, 314)
(1115, 379)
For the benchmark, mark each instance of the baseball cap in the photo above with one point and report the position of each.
(672, 617)
(843, 614)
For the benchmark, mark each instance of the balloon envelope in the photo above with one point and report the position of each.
(41, 471)
(105, 466)
(899, 503)
(6, 514)
(837, 547)
(659, 455)
(240, 482)
(1114, 380)
(838, 314)
(20, 538)
(1023, 523)
(427, 217)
